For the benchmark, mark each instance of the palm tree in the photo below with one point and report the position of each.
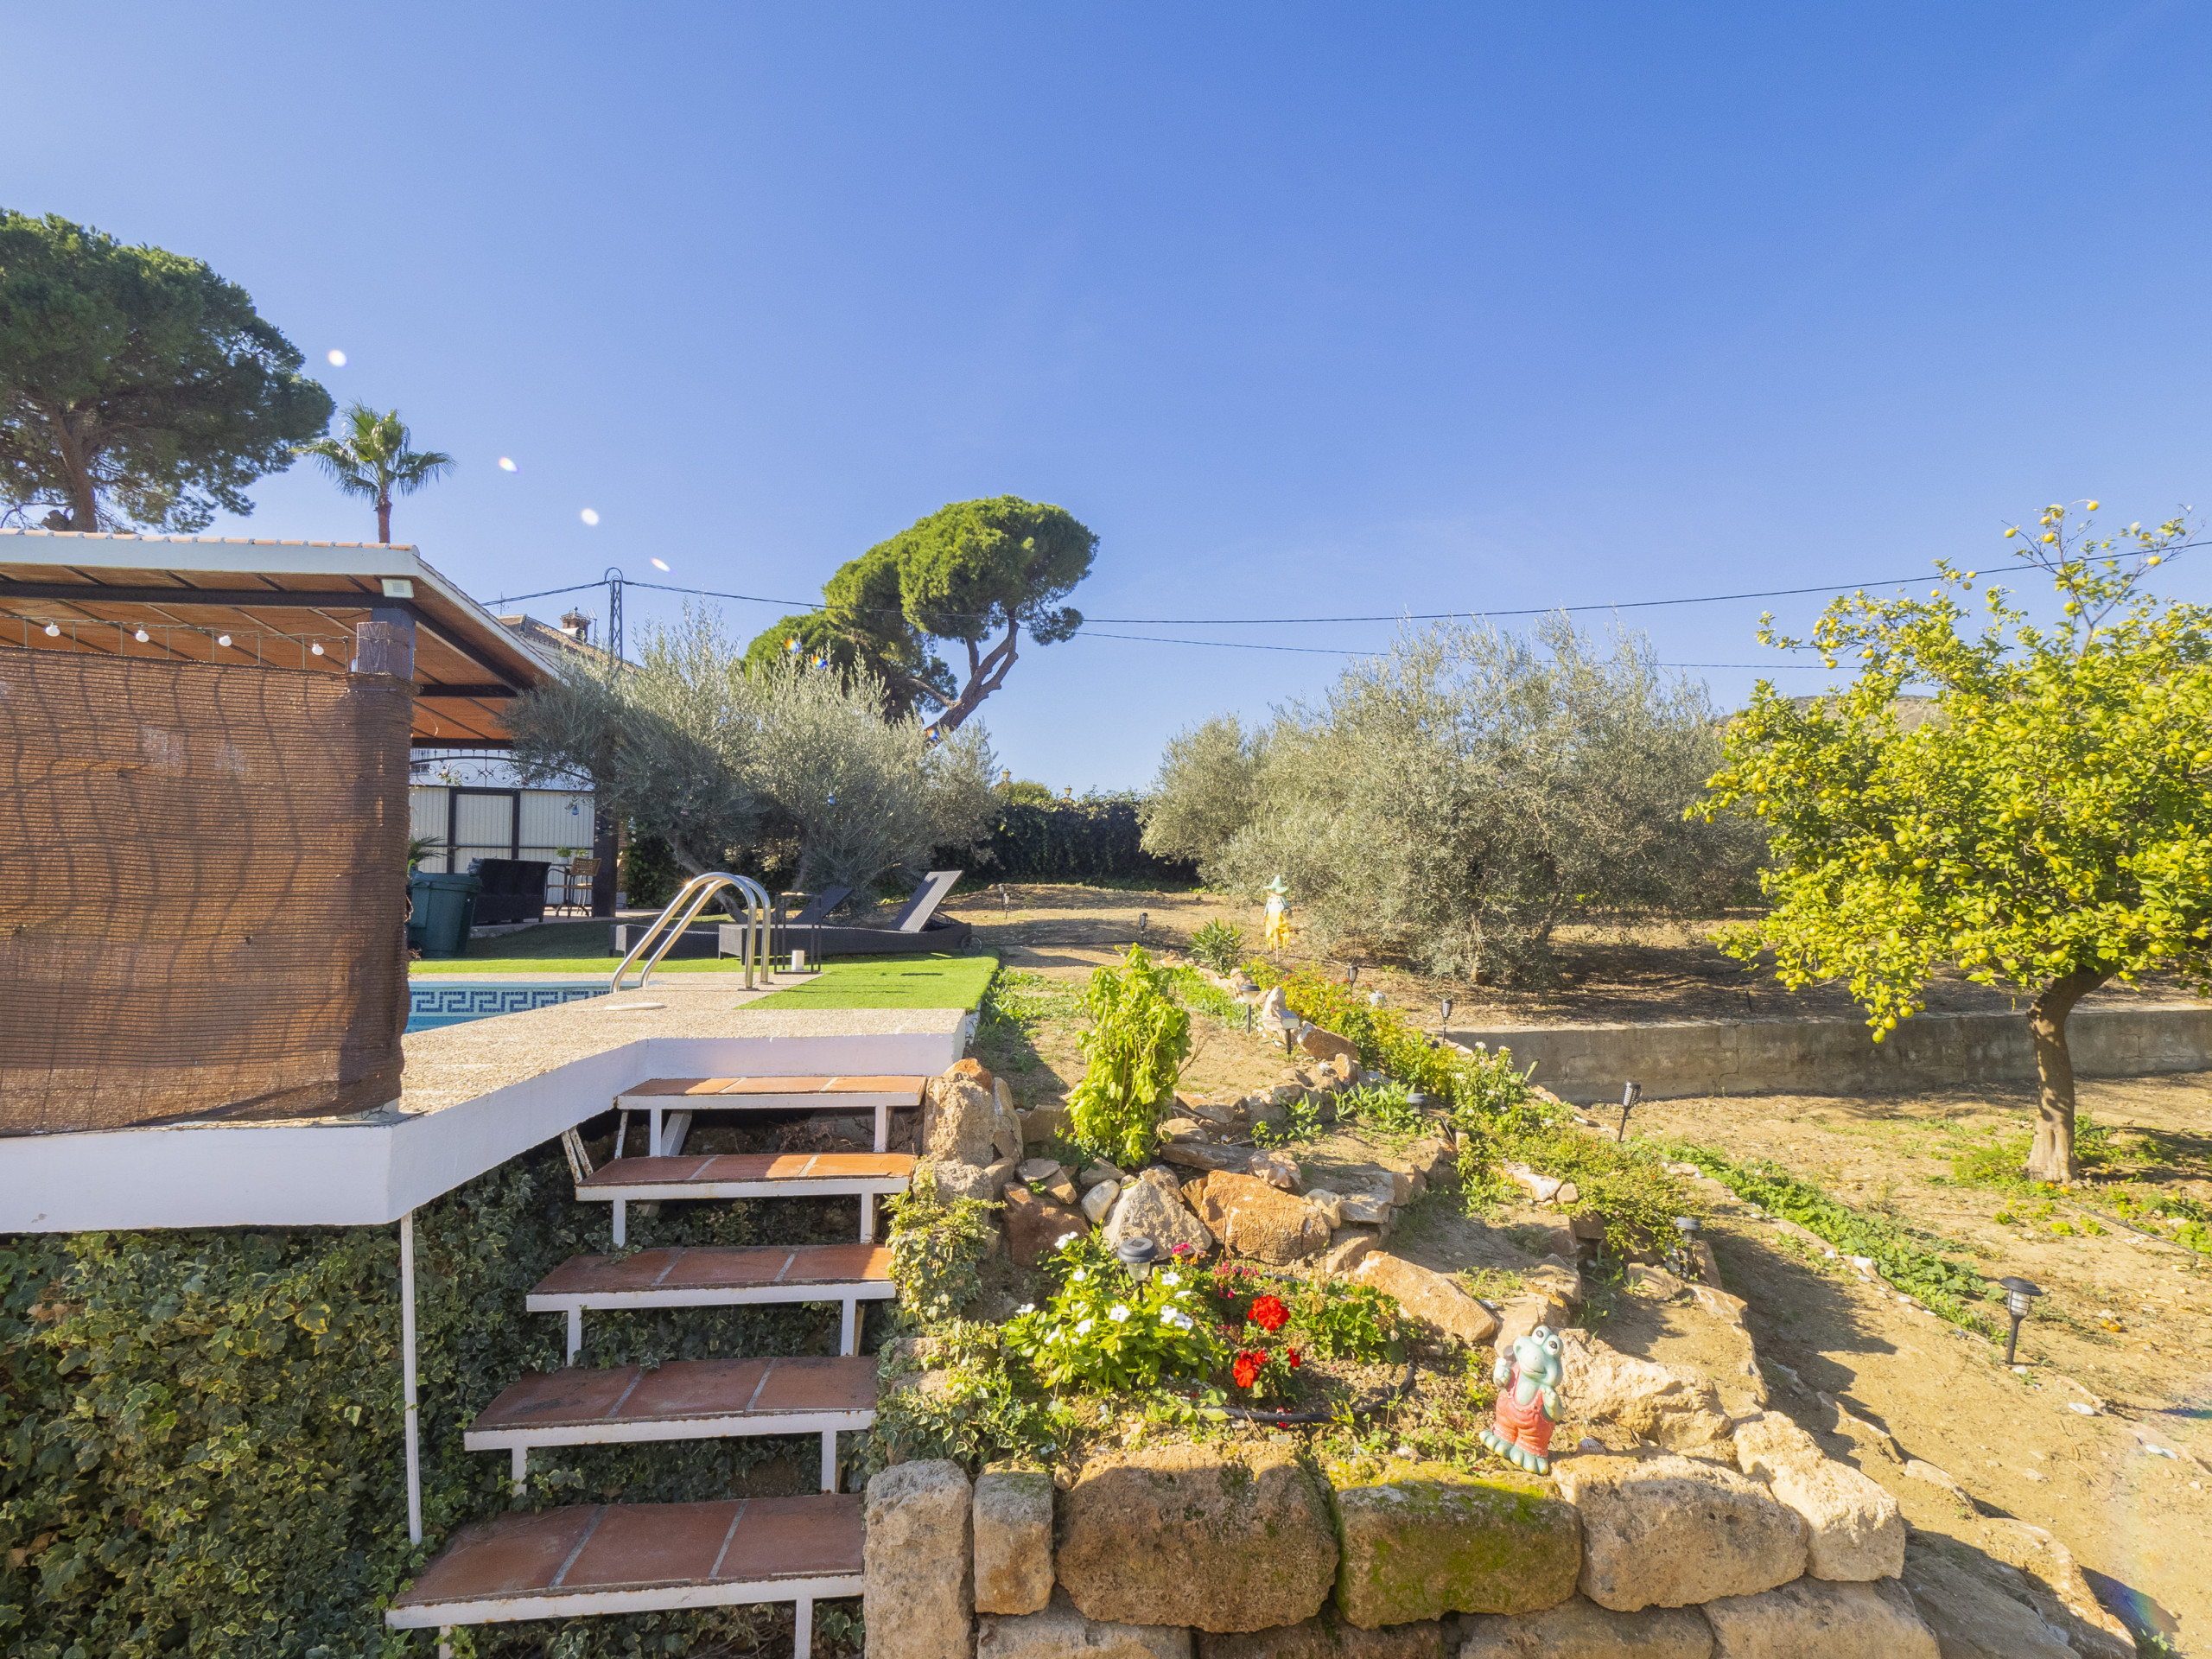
(373, 460)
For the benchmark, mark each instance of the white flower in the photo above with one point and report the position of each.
(1119, 1314)
(1027, 1308)
(1083, 1329)
(1170, 1278)
(1176, 1317)
(1079, 1275)
(1063, 1241)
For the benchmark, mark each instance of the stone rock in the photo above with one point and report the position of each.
(1327, 1046)
(916, 1584)
(1098, 1173)
(1971, 1615)
(1542, 1188)
(1183, 1128)
(1188, 1535)
(1043, 1123)
(1006, 1132)
(1567, 1197)
(1275, 1168)
(1556, 1278)
(1261, 1111)
(1669, 1531)
(1322, 1638)
(2053, 1583)
(1207, 1155)
(1036, 1171)
(1425, 1540)
(1519, 1315)
(1581, 1629)
(960, 1116)
(1656, 1282)
(1729, 1310)
(1343, 1258)
(1253, 1218)
(1677, 1408)
(1832, 1620)
(953, 1179)
(1855, 1529)
(1588, 1226)
(1150, 1207)
(1060, 1189)
(1060, 1632)
(1035, 1225)
(1100, 1199)
(1012, 1514)
(1272, 1006)
(1221, 1114)
(1428, 1298)
(1373, 1182)
(1330, 1204)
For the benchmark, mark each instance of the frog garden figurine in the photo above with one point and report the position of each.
(1528, 1401)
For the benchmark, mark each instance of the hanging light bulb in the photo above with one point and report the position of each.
(53, 630)
(222, 638)
(316, 649)
(141, 636)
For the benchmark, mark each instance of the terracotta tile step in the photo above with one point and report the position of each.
(716, 1276)
(686, 1399)
(623, 1558)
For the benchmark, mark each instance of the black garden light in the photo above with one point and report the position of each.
(1137, 1255)
(1631, 1092)
(2019, 1294)
(1144, 920)
(1351, 973)
(1687, 1231)
(1444, 1017)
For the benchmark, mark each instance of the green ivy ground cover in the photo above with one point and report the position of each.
(201, 1441)
(925, 980)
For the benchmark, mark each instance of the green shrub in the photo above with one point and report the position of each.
(1098, 836)
(1101, 1330)
(937, 1248)
(1138, 1041)
(1219, 945)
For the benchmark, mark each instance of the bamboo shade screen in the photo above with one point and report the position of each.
(202, 892)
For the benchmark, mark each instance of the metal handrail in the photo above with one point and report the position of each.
(692, 898)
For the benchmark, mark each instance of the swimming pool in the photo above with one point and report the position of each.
(434, 1003)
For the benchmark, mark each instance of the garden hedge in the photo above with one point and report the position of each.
(1068, 841)
(201, 1447)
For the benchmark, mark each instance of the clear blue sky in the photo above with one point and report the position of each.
(1305, 310)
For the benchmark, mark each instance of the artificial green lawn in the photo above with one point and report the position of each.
(907, 981)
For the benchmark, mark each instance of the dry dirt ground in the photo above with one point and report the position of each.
(2124, 1332)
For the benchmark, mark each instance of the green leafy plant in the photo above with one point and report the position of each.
(937, 1247)
(1385, 1108)
(1219, 945)
(1102, 1330)
(1139, 1038)
(1302, 1124)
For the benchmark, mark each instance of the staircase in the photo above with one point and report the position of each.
(629, 1558)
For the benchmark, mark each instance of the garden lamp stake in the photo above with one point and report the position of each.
(1136, 1256)
(2020, 1294)
(1631, 1093)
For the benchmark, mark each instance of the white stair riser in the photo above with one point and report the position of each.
(655, 1599)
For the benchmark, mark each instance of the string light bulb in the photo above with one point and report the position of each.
(142, 636)
(53, 630)
(222, 638)
(316, 648)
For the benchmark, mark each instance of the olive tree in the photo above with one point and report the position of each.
(1460, 795)
(2048, 830)
(699, 749)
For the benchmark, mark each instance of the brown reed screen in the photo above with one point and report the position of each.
(202, 892)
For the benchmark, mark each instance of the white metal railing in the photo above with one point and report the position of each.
(689, 901)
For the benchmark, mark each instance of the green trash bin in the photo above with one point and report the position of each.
(445, 909)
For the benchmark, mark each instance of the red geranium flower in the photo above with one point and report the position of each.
(1293, 1352)
(1269, 1314)
(1247, 1371)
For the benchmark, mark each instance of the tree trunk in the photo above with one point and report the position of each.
(985, 675)
(77, 462)
(384, 518)
(2051, 1157)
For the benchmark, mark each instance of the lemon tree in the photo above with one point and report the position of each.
(2047, 827)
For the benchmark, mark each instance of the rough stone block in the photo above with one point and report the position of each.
(1854, 1529)
(918, 1585)
(1151, 1207)
(1667, 1531)
(1186, 1535)
(1035, 1225)
(1251, 1218)
(1061, 1632)
(1971, 1616)
(1429, 1298)
(1519, 1315)
(1014, 1541)
(1099, 1200)
(961, 1116)
(1347, 1254)
(1325, 1638)
(1677, 1408)
(1424, 1540)
(1825, 1620)
(1581, 1629)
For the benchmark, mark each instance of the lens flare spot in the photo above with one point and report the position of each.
(337, 359)
(660, 564)
(590, 515)
(507, 464)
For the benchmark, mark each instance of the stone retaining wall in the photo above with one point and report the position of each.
(1760, 1546)
(1587, 1064)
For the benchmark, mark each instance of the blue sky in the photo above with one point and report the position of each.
(1306, 311)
